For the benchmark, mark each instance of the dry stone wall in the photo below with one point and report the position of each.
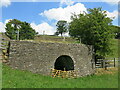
(41, 57)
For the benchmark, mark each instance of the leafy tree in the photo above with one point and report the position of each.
(10, 32)
(12, 28)
(93, 28)
(23, 29)
(61, 27)
(26, 31)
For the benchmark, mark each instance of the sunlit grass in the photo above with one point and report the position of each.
(24, 79)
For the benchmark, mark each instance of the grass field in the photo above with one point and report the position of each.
(24, 79)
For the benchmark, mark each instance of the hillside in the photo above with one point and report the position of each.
(50, 38)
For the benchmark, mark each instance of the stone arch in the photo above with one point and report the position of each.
(64, 62)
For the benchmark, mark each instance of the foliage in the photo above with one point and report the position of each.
(12, 28)
(61, 27)
(93, 28)
(23, 29)
(10, 31)
(26, 31)
(12, 79)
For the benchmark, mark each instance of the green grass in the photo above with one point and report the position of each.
(24, 79)
(114, 47)
(55, 39)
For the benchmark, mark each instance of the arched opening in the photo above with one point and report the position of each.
(64, 62)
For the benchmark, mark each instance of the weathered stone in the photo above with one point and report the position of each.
(41, 57)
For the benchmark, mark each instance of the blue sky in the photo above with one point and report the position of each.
(27, 11)
(43, 15)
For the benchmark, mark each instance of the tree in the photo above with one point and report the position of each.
(61, 27)
(12, 28)
(93, 28)
(18, 30)
(26, 31)
(10, 32)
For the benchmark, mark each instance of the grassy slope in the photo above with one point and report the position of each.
(47, 38)
(114, 48)
(24, 79)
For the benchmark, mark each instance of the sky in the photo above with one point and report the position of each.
(43, 16)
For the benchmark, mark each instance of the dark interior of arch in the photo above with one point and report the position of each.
(64, 62)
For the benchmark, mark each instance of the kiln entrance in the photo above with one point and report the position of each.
(64, 62)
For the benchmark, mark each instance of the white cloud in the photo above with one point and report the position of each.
(2, 27)
(49, 30)
(5, 3)
(64, 13)
(112, 14)
(66, 2)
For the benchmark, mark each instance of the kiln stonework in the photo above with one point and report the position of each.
(41, 57)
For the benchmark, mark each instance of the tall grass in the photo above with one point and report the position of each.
(24, 79)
